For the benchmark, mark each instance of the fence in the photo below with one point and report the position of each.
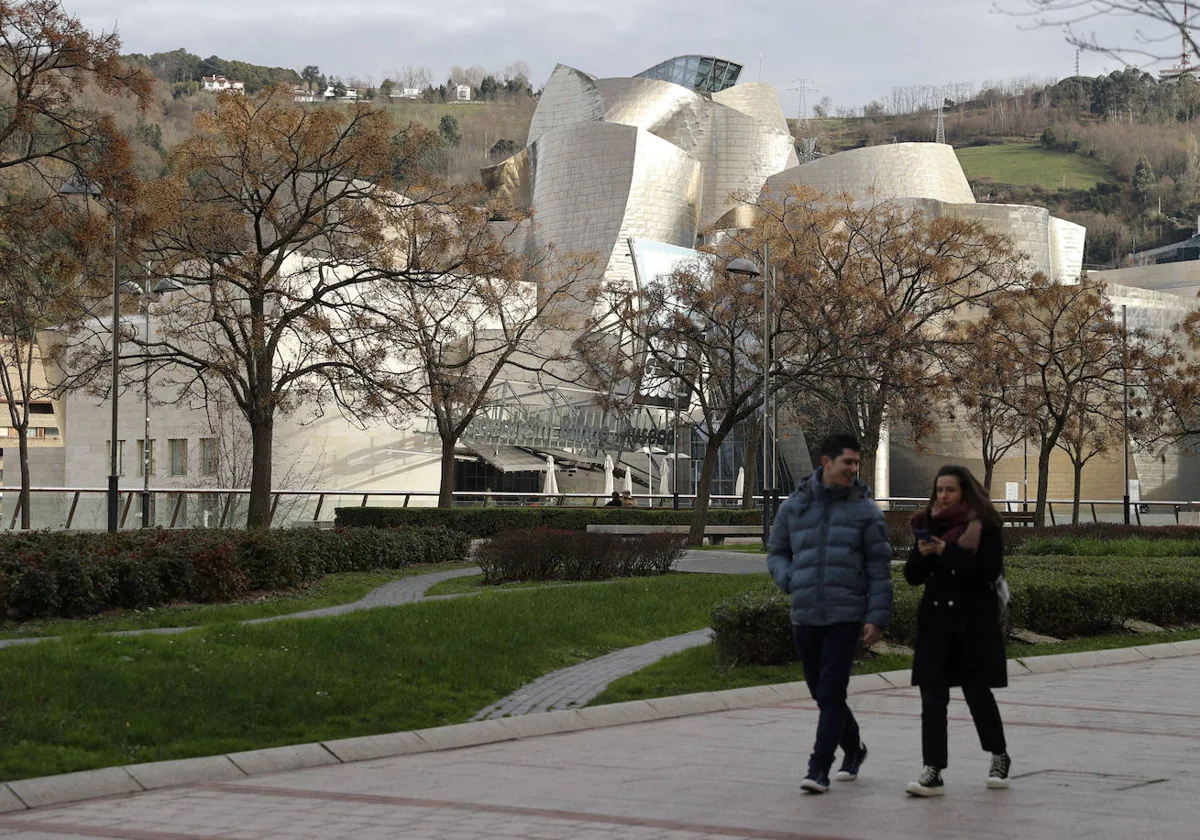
(85, 508)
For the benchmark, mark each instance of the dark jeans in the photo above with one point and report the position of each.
(827, 654)
(984, 711)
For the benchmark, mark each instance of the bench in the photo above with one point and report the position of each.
(715, 534)
(1018, 517)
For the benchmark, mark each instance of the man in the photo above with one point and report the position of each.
(829, 550)
(627, 499)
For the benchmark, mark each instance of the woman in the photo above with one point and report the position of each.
(958, 556)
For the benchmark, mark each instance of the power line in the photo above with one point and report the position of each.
(803, 89)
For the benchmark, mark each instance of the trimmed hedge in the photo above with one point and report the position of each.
(479, 523)
(541, 554)
(1063, 596)
(54, 574)
(754, 628)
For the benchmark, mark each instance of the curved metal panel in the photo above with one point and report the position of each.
(512, 178)
(758, 100)
(569, 97)
(596, 184)
(896, 170)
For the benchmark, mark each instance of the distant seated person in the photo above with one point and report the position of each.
(627, 499)
(615, 501)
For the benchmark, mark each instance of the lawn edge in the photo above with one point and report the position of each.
(63, 788)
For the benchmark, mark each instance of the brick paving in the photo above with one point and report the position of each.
(579, 684)
(1105, 752)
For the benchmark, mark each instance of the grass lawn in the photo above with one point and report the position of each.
(96, 701)
(695, 670)
(748, 548)
(1028, 164)
(329, 591)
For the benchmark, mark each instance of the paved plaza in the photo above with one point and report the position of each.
(1100, 752)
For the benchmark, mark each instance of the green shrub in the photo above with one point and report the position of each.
(486, 522)
(540, 554)
(50, 573)
(1058, 596)
(754, 628)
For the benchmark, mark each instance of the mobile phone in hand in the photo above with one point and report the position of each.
(921, 534)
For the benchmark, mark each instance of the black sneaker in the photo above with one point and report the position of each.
(815, 782)
(851, 764)
(998, 772)
(929, 783)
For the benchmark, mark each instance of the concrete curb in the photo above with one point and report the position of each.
(113, 781)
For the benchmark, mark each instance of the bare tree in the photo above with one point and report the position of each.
(457, 340)
(283, 227)
(903, 276)
(413, 77)
(985, 383)
(1067, 348)
(1162, 30)
(44, 283)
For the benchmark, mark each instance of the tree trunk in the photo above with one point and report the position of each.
(1043, 485)
(262, 437)
(989, 468)
(23, 456)
(1075, 498)
(446, 487)
(704, 490)
(866, 467)
(751, 465)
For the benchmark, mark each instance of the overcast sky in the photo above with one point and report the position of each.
(852, 51)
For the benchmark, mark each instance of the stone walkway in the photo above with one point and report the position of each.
(566, 688)
(1100, 753)
(579, 684)
(406, 590)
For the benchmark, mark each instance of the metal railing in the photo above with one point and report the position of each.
(83, 508)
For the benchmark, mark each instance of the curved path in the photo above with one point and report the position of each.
(565, 688)
(406, 590)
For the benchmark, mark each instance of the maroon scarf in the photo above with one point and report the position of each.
(960, 524)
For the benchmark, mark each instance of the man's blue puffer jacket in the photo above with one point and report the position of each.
(829, 550)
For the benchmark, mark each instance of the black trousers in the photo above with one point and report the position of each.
(984, 711)
(827, 654)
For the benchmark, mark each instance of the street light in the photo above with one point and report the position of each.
(746, 268)
(82, 186)
(145, 294)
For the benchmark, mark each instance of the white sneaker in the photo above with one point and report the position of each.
(998, 772)
(928, 784)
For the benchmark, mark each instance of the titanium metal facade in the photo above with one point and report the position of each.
(643, 157)
(930, 176)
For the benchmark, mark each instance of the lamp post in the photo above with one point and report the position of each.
(1125, 411)
(84, 187)
(146, 294)
(746, 268)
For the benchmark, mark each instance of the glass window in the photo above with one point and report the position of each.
(208, 456)
(146, 464)
(178, 447)
(120, 454)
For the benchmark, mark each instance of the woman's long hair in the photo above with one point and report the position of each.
(973, 495)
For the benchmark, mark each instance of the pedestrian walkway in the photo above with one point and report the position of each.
(394, 593)
(1104, 752)
(578, 685)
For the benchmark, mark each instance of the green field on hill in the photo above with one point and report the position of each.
(1030, 165)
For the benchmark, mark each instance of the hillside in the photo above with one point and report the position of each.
(1030, 165)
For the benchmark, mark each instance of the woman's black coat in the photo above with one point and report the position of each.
(958, 629)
